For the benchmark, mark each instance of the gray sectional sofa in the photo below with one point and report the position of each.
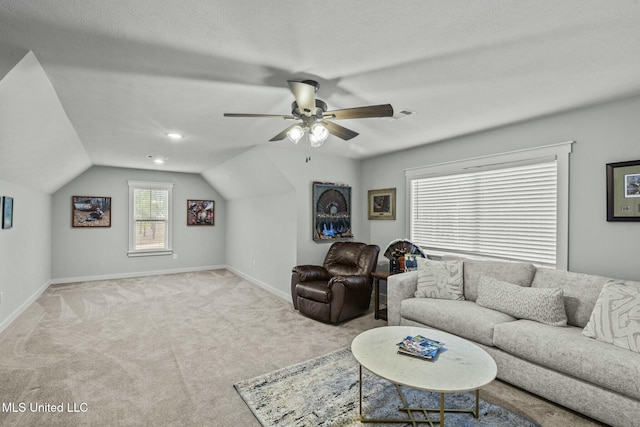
(559, 363)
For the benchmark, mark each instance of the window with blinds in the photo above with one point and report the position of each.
(150, 221)
(511, 206)
(505, 213)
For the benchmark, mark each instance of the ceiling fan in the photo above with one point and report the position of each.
(313, 117)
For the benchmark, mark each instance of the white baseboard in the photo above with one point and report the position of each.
(134, 274)
(22, 307)
(261, 284)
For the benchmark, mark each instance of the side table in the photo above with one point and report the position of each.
(379, 313)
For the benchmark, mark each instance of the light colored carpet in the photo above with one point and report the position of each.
(166, 350)
(284, 398)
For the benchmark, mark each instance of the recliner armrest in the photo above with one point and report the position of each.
(350, 281)
(308, 273)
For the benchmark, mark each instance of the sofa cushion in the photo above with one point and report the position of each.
(568, 351)
(439, 279)
(463, 318)
(542, 305)
(616, 316)
(518, 273)
(580, 291)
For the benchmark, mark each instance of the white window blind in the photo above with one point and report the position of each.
(512, 205)
(150, 221)
(505, 213)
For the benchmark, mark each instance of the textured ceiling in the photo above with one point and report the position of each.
(127, 72)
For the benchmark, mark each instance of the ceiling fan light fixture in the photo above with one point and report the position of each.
(319, 132)
(314, 141)
(295, 134)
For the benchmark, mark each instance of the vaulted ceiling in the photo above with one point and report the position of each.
(105, 81)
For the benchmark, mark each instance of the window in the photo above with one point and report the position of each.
(149, 218)
(511, 206)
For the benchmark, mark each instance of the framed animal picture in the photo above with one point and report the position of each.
(201, 212)
(90, 211)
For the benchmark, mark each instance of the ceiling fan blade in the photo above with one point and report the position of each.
(305, 95)
(383, 110)
(268, 116)
(339, 131)
(282, 135)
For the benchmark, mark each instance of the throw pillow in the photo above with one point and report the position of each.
(544, 305)
(616, 316)
(439, 279)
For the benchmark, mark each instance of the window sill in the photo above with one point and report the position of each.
(135, 254)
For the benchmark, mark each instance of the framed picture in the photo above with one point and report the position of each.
(90, 211)
(332, 211)
(200, 212)
(623, 191)
(382, 204)
(7, 212)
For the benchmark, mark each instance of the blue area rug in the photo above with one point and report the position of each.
(324, 392)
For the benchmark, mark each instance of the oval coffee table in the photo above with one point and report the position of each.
(460, 366)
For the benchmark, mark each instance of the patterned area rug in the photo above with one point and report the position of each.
(324, 392)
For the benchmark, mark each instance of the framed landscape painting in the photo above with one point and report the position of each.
(623, 191)
(90, 211)
(382, 204)
(201, 212)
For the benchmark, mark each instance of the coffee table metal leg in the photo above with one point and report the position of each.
(360, 382)
(477, 413)
(409, 410)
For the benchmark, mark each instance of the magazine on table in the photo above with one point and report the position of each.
(419, 347)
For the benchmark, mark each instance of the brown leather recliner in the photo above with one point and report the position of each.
(340, 289)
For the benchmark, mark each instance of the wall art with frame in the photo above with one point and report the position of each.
(7, 212)
(90, 211)
(623, 191)
(201, 212)
(331, 211)
(382, 203)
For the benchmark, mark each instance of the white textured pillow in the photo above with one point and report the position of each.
(544, 305)
(616, 316)
(440, 279)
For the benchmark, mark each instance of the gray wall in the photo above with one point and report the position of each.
(25, 250)
(80, 253)
(603, 134)
(275, 230)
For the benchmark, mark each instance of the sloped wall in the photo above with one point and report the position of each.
(39, 147)
(269, 210)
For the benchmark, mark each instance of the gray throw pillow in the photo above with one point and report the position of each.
(616, 316)
(440, 279)
(544, 305)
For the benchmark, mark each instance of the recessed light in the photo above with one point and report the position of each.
(174, 135)
(158, 160)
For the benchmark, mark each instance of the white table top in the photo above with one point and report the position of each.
(460, 366)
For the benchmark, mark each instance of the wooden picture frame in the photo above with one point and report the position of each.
(623, 191)
(201, 212)
(90, 211)
(331, 211)
(382, 203)
(7, 212)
